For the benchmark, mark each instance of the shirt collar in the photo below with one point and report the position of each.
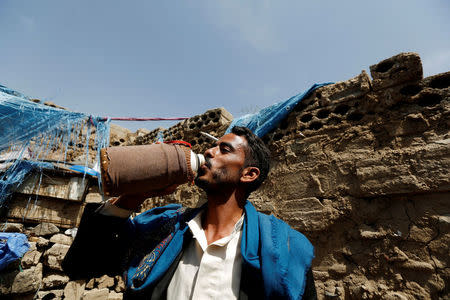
(195, 225)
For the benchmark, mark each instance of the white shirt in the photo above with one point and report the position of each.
(208, 271)
(205, 271)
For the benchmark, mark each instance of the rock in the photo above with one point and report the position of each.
(93, 198)
(369, 233)
(91, 283)
(398, 255)
(417, 266)
(105, 282)
(321, 275)
(53, 294)
(71, 232)
(42, 242)
(96, 294)
(120, 284)
(27, 281)
(49, 103)
(115, 296)
(74, 290)
(338, 269)
(45, 229)
(396, 70)
(419, 234)
(55, 255)
(31, 258)
(60, 238)
(55, 281)
(11, 227)
(395, 296)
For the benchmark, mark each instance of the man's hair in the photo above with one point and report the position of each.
(256, 155)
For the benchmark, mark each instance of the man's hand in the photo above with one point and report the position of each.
(133, 201)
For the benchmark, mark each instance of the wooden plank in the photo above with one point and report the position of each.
(66, 214)
(56, 185)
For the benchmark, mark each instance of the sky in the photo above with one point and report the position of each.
(181, 58)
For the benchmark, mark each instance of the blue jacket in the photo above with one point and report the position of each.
(147, 249)
(271, 250)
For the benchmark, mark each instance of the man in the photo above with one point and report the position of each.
(223, 250)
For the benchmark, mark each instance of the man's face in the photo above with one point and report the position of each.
(224, 163)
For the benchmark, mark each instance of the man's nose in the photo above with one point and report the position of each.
(210, 152)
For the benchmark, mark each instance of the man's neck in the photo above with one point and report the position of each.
(222, 213)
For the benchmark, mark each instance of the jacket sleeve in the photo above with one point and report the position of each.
(310, 288)
(100, 246)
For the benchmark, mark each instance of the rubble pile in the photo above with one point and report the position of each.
(39, 274)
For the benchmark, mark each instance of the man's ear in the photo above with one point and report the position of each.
(249, 174)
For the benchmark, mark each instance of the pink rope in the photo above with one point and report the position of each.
(147, 119)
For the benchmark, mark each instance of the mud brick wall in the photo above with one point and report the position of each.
(362, 168)
(214, 121)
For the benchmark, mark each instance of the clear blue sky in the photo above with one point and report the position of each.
(181, 58)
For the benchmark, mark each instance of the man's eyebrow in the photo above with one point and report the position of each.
(226, 144)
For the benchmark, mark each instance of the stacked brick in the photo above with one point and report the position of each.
(214, 121)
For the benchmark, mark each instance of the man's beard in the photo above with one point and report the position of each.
(220, 180)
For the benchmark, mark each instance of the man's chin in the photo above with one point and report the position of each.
(201, 183)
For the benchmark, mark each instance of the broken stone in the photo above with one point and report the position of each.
(55, 281)
(340, 269)
(105, 282)
(42, 242)
(45, 229)
(395, 296)
(398, 255)
(55, 255)
(61, 239)
(91, 283)
(93, 198)
(74, 290)
(421, 234)
(96, 294)
(321, 275)
(28, 280)
(417, 266)
(369, 233)
(11, 227)
(31, 258)
(120, 284)
(53, 294)
(396, 70)
(115, 296)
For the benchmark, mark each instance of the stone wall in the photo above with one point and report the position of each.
(38, 275)
(360, 167)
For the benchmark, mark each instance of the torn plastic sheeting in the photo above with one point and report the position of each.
(12, 247)
(269, 117)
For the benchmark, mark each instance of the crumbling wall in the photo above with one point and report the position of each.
(360, 167)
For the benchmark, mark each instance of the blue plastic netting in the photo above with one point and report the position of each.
(268, 118)
(31, 132)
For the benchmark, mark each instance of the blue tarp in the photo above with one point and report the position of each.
(12, 247)
(35, 129)
(268, 118)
